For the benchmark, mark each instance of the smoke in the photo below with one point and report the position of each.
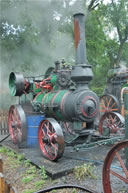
(47, 36)
(123, 67)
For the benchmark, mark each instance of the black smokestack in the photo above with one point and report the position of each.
(79, 33)
(81, 73)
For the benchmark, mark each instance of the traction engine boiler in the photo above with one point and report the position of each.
(63, 97)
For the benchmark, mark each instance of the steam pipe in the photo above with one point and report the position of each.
(122, 100)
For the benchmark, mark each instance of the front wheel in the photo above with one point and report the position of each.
(51, 139)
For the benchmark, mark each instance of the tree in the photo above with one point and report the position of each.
(116, 20)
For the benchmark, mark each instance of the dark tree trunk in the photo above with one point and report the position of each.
(119, 54)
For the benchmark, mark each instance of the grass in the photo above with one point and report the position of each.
(14, 158)
(11, 154)
(32, 178)
(85, 170)
(27, 163)
(39, 184)
(20, 157)
(30, 174)
(27, 179)
(29, 191)
(43, 172)
(31, 170)
(74, 191)
(3, 149)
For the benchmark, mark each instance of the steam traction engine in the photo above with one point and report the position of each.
(62, 98)
(112, 102)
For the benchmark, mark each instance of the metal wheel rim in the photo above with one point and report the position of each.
(109, 103)
(16, 84)
(114, 123)
(107, 166)
(48, 72)
(51, 139)
(17, 124)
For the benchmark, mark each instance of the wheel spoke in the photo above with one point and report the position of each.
(46, 128)
(122, 163)
(52, 130)
(43, 132)
(113, 121)
(19, 131)
(102, 111)
(55, 148)
(103, 103)
(15, 115)
(16, 134)
(114, 109)
(49, 150)
(113, 105)
(111, 118)
(109, 102)
(106, 99)
(118, 124)
(50, 143)
(12, 118)
(119, 176)
(17, 124)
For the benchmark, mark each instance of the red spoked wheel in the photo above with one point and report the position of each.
(17, 124)
(109, 103)
(111, 123)
(115, 169)
(67, 128)
(69, 132)
(51, 139)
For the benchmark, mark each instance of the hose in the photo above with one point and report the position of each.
(65, 186)
(94, 161)
(4, 138)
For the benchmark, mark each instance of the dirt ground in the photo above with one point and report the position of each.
(26, 178)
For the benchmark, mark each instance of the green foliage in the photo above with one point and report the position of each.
(20, 157)
(3, 149)
(95, 40)
(85, 170)
(54, 191)
(31, 170)
(29, 191)
(116, 23)
(11, 154)
(124, 54)
(39, 184)
(29, 173)
(27, 163)
(74, 190)
(43, 172)
(27, 179)
(19, 37)
(98, 90)
(97, 51)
